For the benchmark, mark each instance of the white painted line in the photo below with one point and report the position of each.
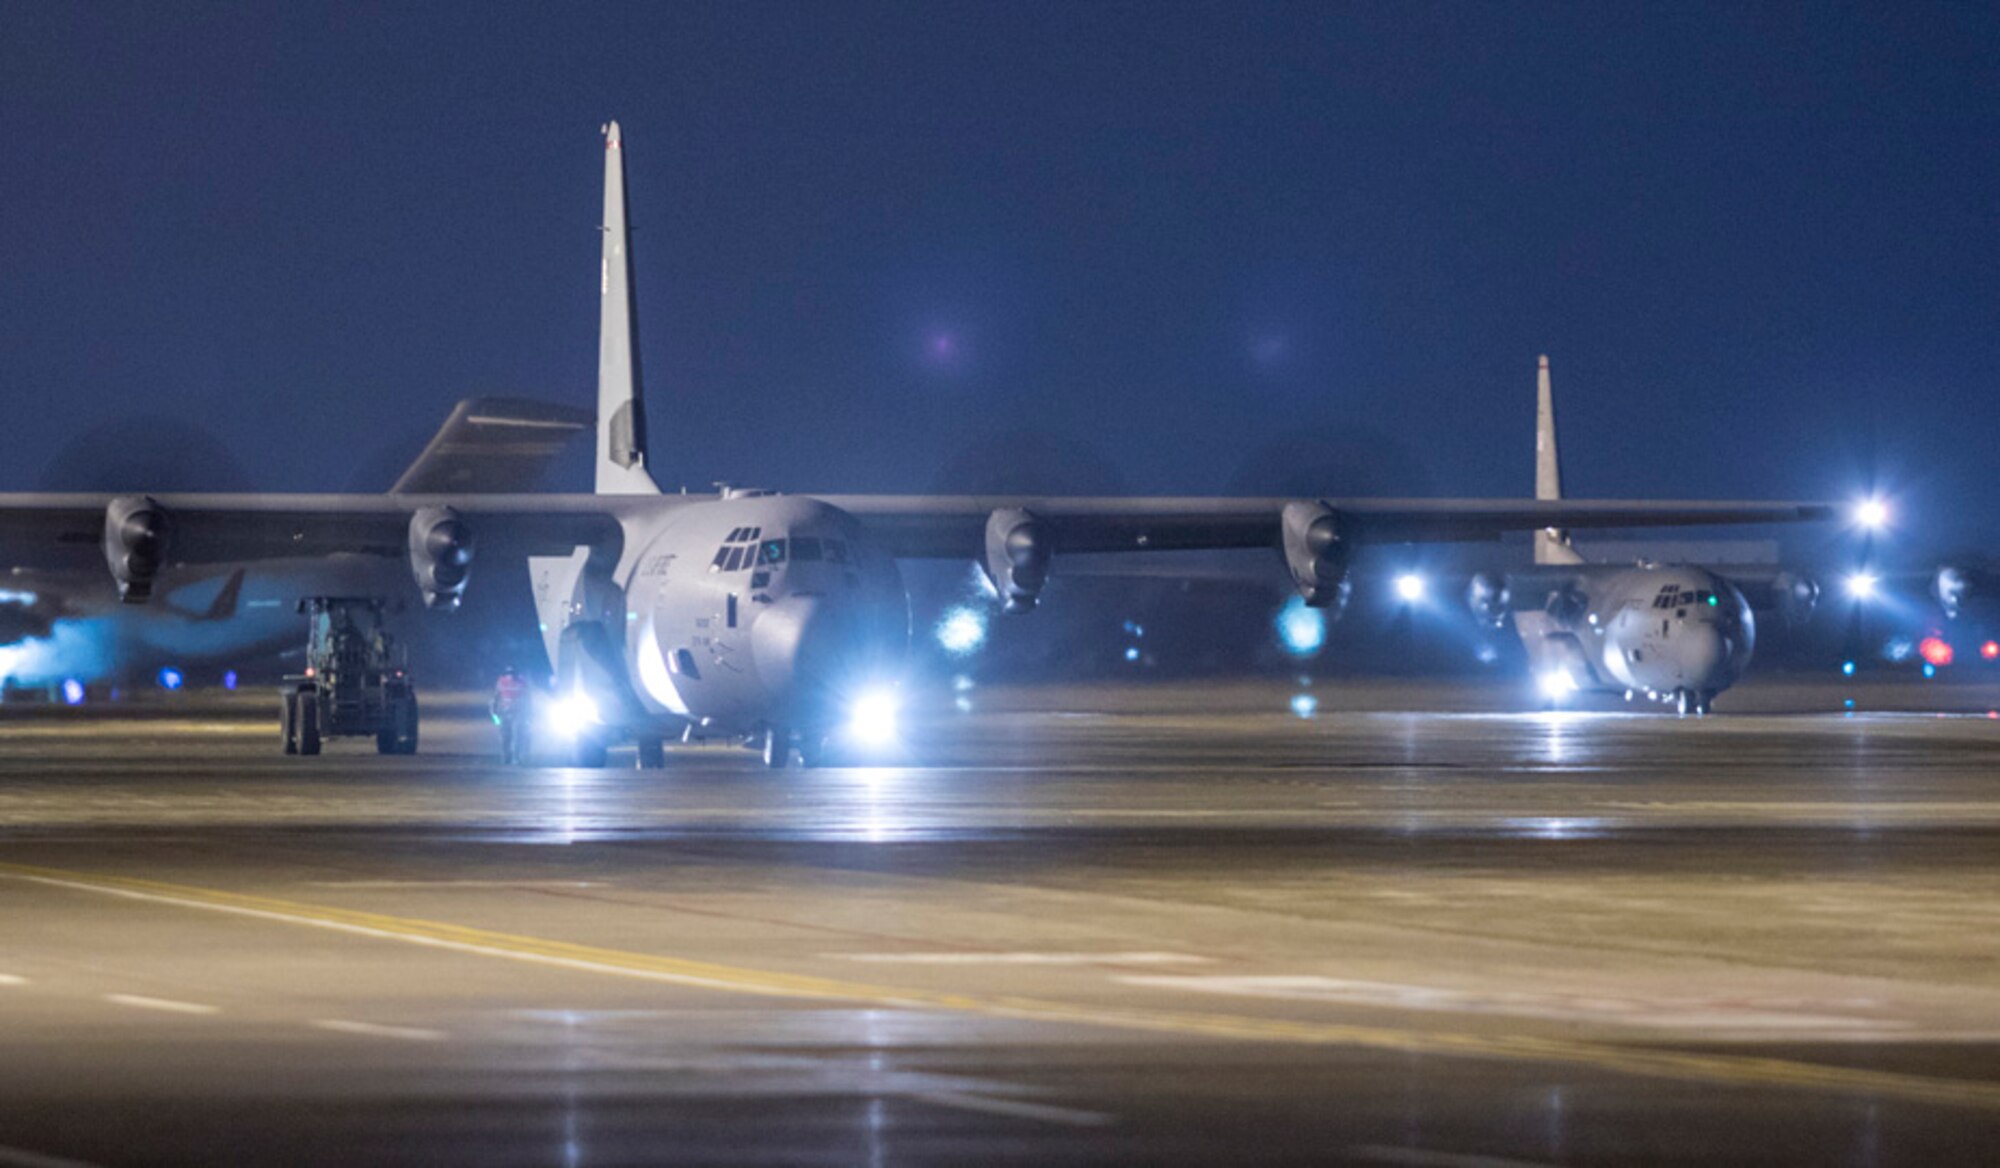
(457, 884)
(1016, 1108)
(12, 979)
(23, 1158)
(1025, 958)
(1425, 1158)
(166, 1004)
(407, 1033)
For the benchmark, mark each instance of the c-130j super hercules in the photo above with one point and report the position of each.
(770, 618)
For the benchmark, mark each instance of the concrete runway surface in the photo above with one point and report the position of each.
(1148, 924)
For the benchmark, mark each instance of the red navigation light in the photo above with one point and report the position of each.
(1990, 650)
(1935, 650)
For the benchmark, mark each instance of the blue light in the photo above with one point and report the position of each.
(1132, 654)
(1301, 630)
(1847, 668)
(1930, 670)
(170, 678)
(229, 680)
(962, 630)
(72, 692)
(1305, 705)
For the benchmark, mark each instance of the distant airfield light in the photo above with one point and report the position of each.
(1936, 651)
(1990, 650)
(1847, 669)
(1862, 585)
(1409, 587)
(1132, 653)
(1301, 630)
(72, 692)
(1872, 514)
(170, 678)
(229, 680)
(962, 630)
(1305, 705)
(1930, 671)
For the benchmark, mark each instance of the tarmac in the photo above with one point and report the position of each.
(1151, 924)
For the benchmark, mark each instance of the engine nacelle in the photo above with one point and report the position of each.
(136, 536)
(1489, 598)
(1316, 555)
(1797, 597)
(1951, 586)
(1018, 550)
(440, 556)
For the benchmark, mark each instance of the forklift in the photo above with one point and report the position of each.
(355, 682)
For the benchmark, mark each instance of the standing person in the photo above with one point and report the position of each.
(513, 701)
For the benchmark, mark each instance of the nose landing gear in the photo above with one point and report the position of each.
(1697, 702)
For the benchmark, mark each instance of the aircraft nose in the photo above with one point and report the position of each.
(1707, 649)
(805, 647)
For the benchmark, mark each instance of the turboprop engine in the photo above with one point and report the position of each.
(1797, 597)
(1018, 551)
(136, 535)
(440, 556)
(1489, 598)
(1316, 555)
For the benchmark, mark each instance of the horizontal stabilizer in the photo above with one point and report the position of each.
(493, 445)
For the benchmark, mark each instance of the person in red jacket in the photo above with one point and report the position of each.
(513, 701)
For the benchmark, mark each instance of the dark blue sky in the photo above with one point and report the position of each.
(1156, 248)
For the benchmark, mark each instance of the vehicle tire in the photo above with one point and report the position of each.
(308, 707)
(406, 725)
(288, 720)
(590, 752)
(777, 747)
(652, 753)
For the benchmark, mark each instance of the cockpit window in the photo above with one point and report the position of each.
(805, 549)
(736, 559)
(772, 551)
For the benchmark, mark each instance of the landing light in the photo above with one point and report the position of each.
(574, 714)
(1557, 684)
(1862, 585)
(871, 720)
(1409, 587)
(1872, 514)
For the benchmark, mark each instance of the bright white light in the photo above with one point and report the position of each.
(1301, 630)
(1872, 514)
(871, 720)
(962, 630)
(574, 714)
(1862, 585)
(1409, 588)
(1557, 684)
(72, 692)
(1305, 705)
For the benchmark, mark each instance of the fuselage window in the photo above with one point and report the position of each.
(805, 549)
(760, 579)
(773, 552)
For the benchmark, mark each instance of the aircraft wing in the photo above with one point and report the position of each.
(947, 526)
(492, 445)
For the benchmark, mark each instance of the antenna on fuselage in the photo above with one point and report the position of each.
(621, 405)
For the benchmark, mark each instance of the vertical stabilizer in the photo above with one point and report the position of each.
(621, 410)
(1551, 543)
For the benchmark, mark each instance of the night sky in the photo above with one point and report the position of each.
(1091, 247)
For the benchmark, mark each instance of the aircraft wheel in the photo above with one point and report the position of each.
(1684, 702)
(777, 747)
(289, 723)
(652, 753)
(590, 752)
(308, 724)
(1704, 703)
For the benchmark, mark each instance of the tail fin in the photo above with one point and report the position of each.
(621, 410)
(1551, 543)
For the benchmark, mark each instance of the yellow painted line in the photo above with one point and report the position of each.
(1723, 1069)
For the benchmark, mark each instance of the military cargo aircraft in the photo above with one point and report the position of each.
(776, 620)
